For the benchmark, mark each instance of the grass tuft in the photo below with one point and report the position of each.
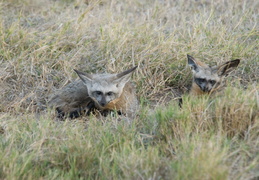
(208, 138)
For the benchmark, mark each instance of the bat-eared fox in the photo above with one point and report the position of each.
(206, 79)
(101, 92)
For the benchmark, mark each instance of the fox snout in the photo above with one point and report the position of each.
(206, 89)
(103, 102)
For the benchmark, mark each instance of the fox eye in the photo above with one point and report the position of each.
(98, 93)
(200, 80)
(109, 93)
(212, 82)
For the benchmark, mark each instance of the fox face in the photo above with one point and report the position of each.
(207, 79)
(105, 88)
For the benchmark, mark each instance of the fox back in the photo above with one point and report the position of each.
(206, 79)
(104, 92)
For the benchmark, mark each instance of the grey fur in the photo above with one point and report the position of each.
(106, 91)
(207, 79)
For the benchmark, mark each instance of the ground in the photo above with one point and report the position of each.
(208, 138)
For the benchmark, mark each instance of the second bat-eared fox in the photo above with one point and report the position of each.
(104, 93)
(206, 79)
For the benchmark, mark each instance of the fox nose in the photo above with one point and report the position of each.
(205, 89)
(103, 102)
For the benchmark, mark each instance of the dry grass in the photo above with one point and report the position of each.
(209, 138)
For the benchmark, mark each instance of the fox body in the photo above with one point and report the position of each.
(103, 92)
(206, 79)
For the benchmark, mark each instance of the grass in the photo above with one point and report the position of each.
(209, 138)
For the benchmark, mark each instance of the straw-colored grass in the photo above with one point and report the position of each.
(208, 138)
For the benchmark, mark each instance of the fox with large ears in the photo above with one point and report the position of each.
(103, 92)
(206, 79)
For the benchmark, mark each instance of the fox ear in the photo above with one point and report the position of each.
(86, 78)
(124, 77)
(226, 68)
(192, 63)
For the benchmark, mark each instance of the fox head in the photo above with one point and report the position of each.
(105, 88)
(209, 78)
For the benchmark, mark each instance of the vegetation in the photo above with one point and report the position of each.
(208, 138)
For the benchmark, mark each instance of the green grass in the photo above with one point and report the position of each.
(208, 138)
